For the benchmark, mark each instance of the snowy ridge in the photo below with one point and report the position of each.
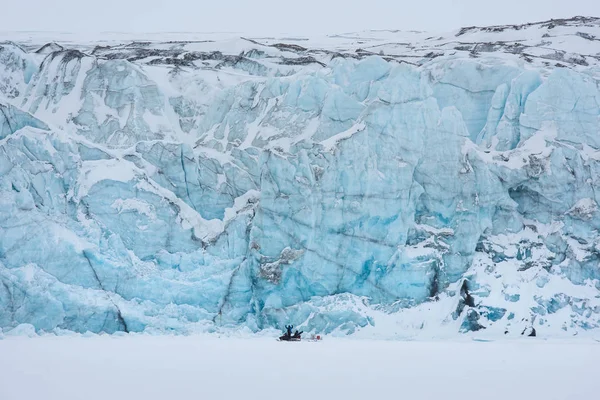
(376, 183)
(560, 42)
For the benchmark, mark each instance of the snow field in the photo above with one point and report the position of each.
(146, 367)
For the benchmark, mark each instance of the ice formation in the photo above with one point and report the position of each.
(173, 185)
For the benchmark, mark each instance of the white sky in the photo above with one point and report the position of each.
(278, 16)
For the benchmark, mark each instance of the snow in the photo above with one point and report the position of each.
(329, 144)
(240, 203)
(203, 229)
(71, 368)
(93, 172)
(134, 205)
(103, 112)
(254, 127)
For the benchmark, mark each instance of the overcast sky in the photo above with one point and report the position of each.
(282, 16)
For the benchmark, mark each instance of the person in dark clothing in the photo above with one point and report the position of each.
(289, 330)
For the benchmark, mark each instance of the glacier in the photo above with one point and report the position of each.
(332, 183)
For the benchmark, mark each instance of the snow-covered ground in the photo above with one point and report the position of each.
(146, 367)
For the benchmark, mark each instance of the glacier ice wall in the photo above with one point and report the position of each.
(240, 191)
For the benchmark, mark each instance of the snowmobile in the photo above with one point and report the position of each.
(288, 337)
(296, 337)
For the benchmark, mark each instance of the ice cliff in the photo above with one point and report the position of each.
(440, 183)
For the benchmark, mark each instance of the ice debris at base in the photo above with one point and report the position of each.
(338, 185)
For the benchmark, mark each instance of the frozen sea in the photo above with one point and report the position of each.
(193, 367)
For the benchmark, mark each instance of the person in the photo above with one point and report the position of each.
(289, 330)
